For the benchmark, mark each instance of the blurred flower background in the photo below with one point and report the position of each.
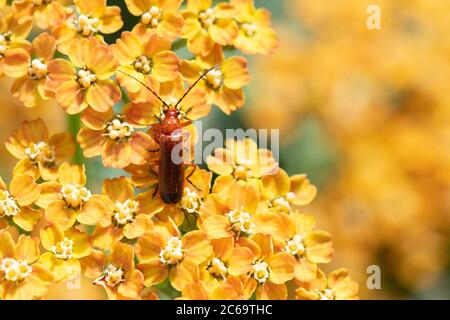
(365, 113)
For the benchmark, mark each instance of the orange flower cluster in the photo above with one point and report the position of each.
(239, 236)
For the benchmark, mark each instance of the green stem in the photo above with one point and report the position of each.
(179, 44)
(74, 125)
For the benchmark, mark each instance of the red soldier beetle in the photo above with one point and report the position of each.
(168, 135)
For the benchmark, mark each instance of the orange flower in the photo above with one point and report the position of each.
(114, 138)
(294, 234)
(205, 26)
(21, 276)
(63, 251)
(224, 84)
(270, 269)
(149, 60)
(127, 215)
(15, 203)
(85, 80)
(90, 19)
(67, 199)
(338, 286)
(47, 14)
(163, 252)
(13, 35)
(39, 154)
(30, 70)
(116, 272)
(159, 17)
(256, 34)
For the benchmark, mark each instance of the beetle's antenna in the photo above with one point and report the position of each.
(195, 83)
(147, 87)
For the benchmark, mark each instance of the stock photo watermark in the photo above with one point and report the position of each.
(374, 20)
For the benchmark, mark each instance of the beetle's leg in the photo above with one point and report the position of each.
(155, 192)
(186, 123)
(190, 174)
(153, 150)
(156, 131)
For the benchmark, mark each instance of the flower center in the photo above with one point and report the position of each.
(243, 171)
(152, 17)
(85, 25)
(41, 2)
(190, 201)
(8, 205)
(125, 212)
(206, 18)
(5, 38)
(143, 64)
(218, 268)
(15, 270)
(63, 249)
(241, 221)
(281, 204)
(111, 277)
(214, 79)
(172, 253)
(118, 130)
(40, 151)
(249, 29)
(327, 294)
(75, 196)
(37, 69)
(261, 271)
(86, 78)
(295, 246)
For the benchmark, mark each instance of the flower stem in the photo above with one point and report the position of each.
(74, 125)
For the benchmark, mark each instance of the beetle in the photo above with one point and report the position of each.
(168, 135)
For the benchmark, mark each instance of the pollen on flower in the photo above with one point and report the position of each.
(261, 271)
(249, 29)
(152, 17)
(111, 277)
(242, 171)
(118, 130)
(218, 268)
(15, 270)
(281, 204)
(143, 64)
(241, 221)
(206, 18)
(4, 42)
(173, 252)
(85, 25)
(8, 206)
(327, 294)
(86, 78)
(295, 246)
(214, 79)
(75, 196)
(37, 69)
(191, 201)
(63, 249)
(125, 212)
(40, 151)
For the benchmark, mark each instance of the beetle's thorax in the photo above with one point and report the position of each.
(171, 121)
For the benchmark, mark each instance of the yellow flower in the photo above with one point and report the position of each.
(241, 160)
(22, 277)
(159, 17)
(148, 59)
(284, 193)
(115, 138)
(67, 199)
(205, 26)
(164, 252)
(30, 70)
(39, 154)
(116, 272)
(84, 81)
(15, 203)
(255, 31)
(224, 84)
(63, 251)
(270, 270)
(127, 215)
(47, 14)
(13, 35)
(90, 19)
(294, 234)
(203, 290)
(338, 286)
